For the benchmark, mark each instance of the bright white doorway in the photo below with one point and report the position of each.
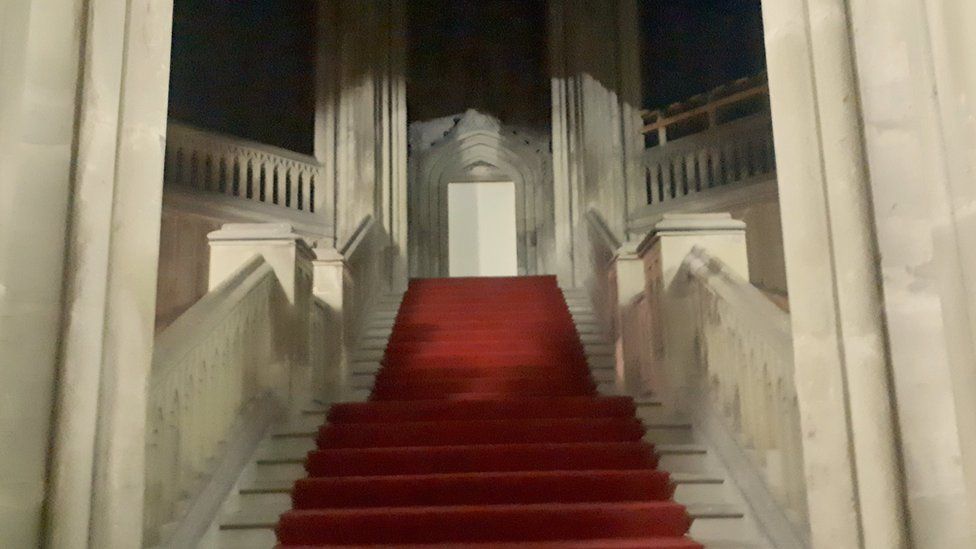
(481, 229)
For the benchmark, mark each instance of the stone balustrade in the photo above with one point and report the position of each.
(224, 370)
(720, 139)
(744, 372)
(219, 163)
(689, 329)
(212, 362)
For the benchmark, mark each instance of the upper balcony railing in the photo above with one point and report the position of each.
(715, 139)
(219, 163)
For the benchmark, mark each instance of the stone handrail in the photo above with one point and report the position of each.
(745, 376)
(219, 163)
(601, 281)
(734, 153)
(208, 366)
(362, 283)
(347, 283)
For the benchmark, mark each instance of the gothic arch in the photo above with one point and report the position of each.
(478, 149)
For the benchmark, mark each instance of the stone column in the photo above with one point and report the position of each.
(326, 102)
(39, 72)
(916, 85)
(564, 204)
(328, 283)
(595, 142)
(663, 254)
(853, 478)
(233, 246)
(116, 123)
(628, 274)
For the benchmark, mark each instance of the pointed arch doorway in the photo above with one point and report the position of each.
(506, 171)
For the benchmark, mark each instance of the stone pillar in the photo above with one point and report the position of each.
(39, 72)
(326, 101)
(236, 243)
(643, 272)
(853, 478)
(119, 116)
(328, 283)
(663, 254)
(233, 246)
(628, 274)
(595, 115)
(916, 85)
(565, 204)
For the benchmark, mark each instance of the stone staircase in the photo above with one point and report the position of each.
(721, 517)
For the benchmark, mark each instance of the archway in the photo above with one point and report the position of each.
(478, 148)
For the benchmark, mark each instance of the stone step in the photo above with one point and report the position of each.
(259, 517)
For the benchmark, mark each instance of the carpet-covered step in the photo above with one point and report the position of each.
(504, 334)
(500, 359)
(483, 324)
(482, 301)
(430, 372)
(449, 433)
(499, 523)
(484, 457)
(406, 386)
(510, 408)
(523, 344)
(482, 489)
(442, 318)
(622, 543)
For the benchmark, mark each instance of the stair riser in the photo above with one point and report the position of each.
(461, 460)
(482, 490)
(480, 524)
(358, 436)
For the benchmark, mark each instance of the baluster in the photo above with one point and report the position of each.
(701, 168)
(261, 182)
(179, 169)
(691, 179)
(208, 173)
(648, 186)
(249, 180)
(306, 192)
(293, 188)
(277, 182)
(752, 157)
(223, 178)
(657, 183)
(169, 166)
(194, 171)
(667, 180)
(311, 192)
(239, 177)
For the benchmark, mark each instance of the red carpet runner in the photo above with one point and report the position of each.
(484, 430)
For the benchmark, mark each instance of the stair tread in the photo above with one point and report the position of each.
(283, 486)
(621, 543)
(266, 516)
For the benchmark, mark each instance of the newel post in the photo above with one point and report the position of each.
(630, 345)
(329, 276)
(673, 312)
(291, 258)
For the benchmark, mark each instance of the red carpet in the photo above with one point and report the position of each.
(484, 430)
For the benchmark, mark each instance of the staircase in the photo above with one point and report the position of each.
(486, 428)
